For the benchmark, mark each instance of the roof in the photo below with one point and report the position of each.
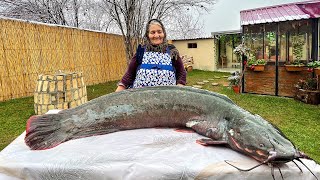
(226, 32)
(283, 12)
(193, 39)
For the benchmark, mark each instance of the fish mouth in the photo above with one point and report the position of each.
(264, 155)
(258, 154)
(281, 160)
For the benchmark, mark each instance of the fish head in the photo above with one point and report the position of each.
(261, 140)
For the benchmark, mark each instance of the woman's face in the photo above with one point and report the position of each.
(155, 34)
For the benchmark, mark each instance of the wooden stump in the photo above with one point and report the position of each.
(308, 96)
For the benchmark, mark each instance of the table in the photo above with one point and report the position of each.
(137, 154)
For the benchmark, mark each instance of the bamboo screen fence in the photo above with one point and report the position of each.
(28, 50)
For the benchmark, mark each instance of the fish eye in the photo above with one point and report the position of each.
(261, 145)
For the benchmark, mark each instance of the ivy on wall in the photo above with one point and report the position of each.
(225, 41)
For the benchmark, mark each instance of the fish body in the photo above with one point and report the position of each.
(210, 114)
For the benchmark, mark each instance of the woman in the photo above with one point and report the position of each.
(160, 65)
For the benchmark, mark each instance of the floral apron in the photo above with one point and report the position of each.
(156, 69)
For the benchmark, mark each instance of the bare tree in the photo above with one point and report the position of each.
(86, 14)
(91, 15)
(73, 7)
(187, 26)
(131, 15)
(47, 11)
(126, 17)
(126, 14)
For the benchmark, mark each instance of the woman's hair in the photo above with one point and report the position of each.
(155, 22)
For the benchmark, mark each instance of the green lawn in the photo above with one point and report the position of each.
(298, 121)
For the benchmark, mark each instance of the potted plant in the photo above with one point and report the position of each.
(314, 66)
(306, 91)
(295, 66)
(256, 64)
(234, 81)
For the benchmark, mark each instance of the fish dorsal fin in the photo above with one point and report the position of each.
(186, 88)
(207, 92)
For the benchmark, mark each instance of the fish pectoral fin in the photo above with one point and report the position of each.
(206, 128)
(207, 142)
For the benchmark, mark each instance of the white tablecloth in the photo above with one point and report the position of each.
(137, 154)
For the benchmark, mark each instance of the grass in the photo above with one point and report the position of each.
(15, 113)
(298, 121)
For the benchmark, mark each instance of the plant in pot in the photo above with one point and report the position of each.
(256, 64)
(234, 81)
(314, 66)
(307, 84)
(306, 91)
(295, 65)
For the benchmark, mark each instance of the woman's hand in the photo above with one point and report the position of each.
(120, 88)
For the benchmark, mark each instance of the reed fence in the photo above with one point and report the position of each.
(28, 50)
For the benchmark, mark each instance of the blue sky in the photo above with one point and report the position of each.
(226, 13)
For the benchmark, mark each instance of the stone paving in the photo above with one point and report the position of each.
(199, 84)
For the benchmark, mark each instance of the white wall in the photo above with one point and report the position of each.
(204, 56)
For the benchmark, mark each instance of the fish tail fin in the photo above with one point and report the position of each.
(43, 132)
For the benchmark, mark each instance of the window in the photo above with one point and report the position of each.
(253, 39)
(296, 41)
(192, 45)
(270, 42)
(236, 40)
(300, 41)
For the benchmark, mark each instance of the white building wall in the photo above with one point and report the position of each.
(204, 56)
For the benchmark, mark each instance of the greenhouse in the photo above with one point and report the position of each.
(281, 42)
